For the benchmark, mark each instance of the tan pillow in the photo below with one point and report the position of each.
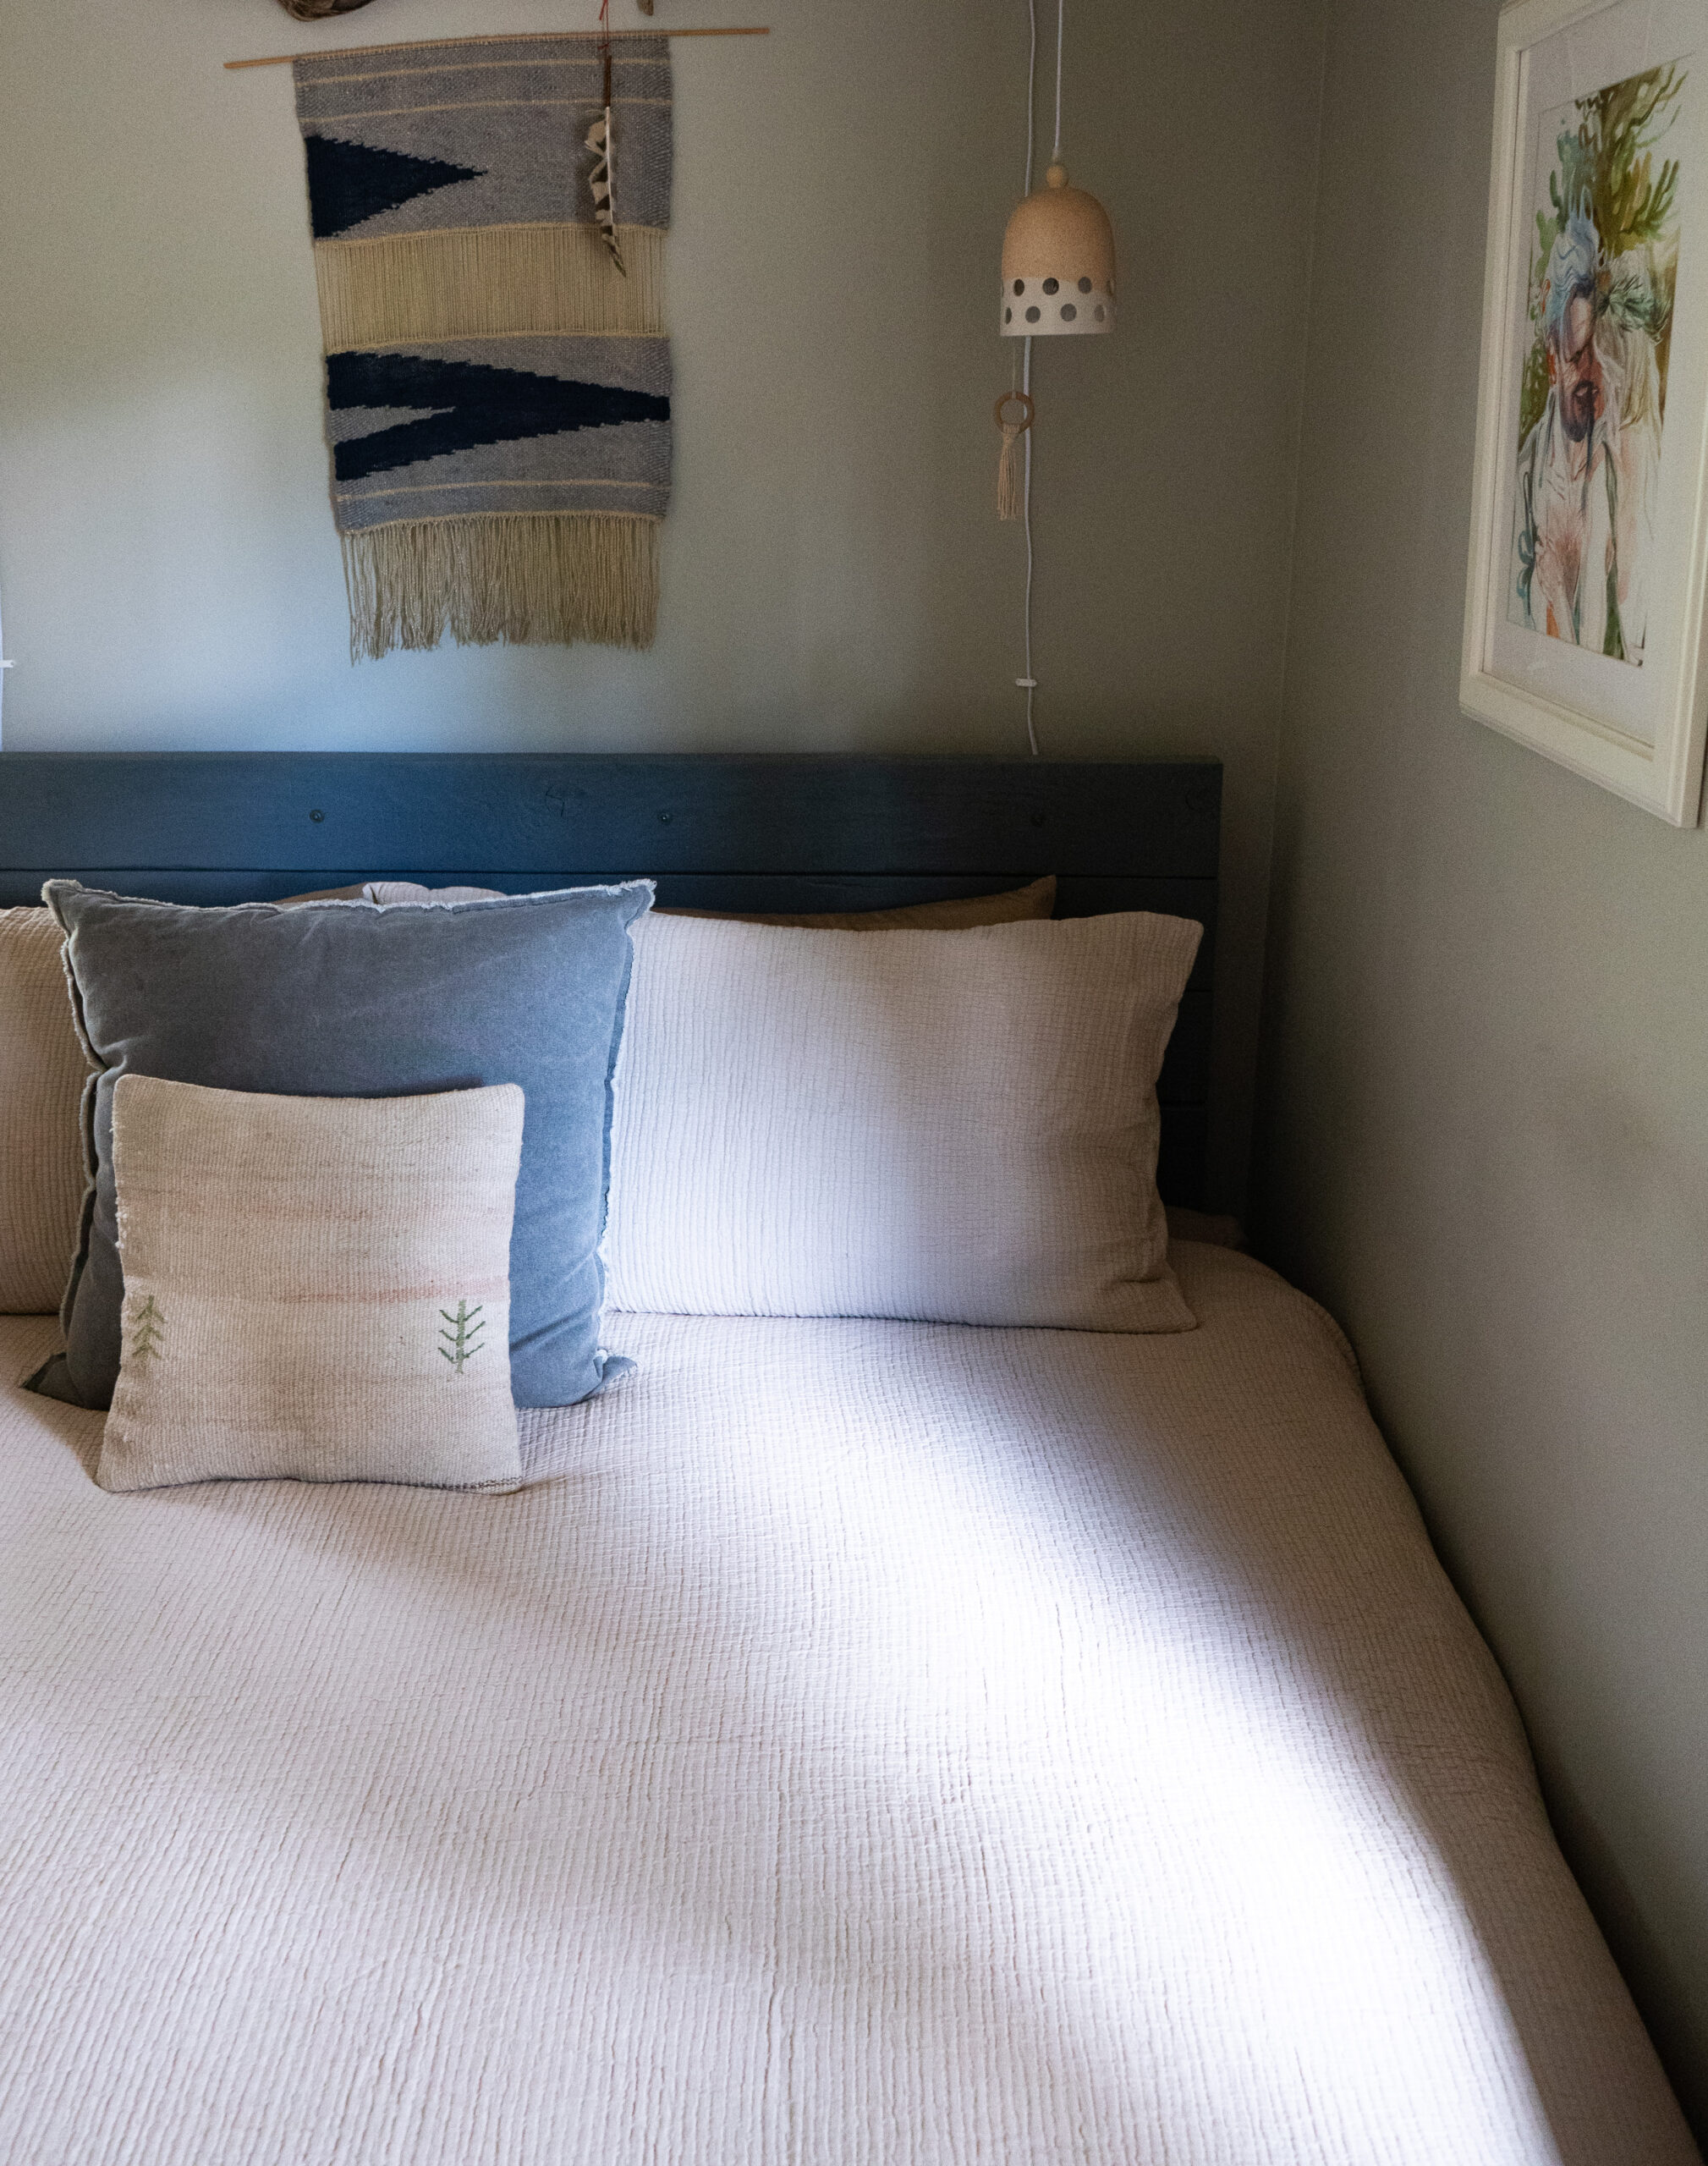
(1039, 900)
(42, 1071)
(411, 891)
(315, 1289)
(955, 915)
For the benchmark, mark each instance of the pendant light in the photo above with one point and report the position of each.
(1058, 253)
(1058, 282)
(1058, 264)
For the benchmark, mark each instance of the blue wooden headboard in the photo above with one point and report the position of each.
(730, 833)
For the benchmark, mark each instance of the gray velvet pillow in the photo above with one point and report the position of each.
(348, 999)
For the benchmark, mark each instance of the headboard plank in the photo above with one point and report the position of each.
(589, 812)
(716, 831)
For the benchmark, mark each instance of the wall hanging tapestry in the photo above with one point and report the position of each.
(489, 217)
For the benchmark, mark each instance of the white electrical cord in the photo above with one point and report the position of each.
(1031, 88)
(1061, 14)
(1029, 683)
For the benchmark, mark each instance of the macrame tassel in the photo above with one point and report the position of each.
(600, 180)
(1011, 500)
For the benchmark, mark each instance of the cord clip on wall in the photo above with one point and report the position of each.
(4, 666)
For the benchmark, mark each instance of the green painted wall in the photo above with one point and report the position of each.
(834, 576)
(1484, 1143)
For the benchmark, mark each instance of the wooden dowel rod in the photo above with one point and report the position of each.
(285, 59)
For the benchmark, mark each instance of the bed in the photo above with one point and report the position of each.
(954, 1744)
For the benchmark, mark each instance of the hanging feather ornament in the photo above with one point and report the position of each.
(603, 175)
(599, 142)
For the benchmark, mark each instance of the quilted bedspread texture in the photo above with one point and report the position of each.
(876, 1745)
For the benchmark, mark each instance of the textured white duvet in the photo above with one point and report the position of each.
(884, 1742)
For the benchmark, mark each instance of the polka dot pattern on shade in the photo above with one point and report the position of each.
(1039, 305)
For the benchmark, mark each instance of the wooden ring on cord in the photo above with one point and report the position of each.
(1015, 398)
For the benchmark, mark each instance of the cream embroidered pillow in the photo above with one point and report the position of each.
(315, 1289)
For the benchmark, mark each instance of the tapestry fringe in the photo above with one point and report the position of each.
(528, 578)
(487, 281)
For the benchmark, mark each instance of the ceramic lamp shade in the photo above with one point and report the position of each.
(1058, 264)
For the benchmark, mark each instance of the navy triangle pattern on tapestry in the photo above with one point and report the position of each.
(497, 392)
(456, 405)
(350, 183)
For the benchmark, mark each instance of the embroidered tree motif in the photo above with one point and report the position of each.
(463, 1339)
(148, 1323)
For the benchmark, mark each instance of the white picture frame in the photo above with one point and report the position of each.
(1585, 620)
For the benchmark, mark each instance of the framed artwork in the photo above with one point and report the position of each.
(1589, 559)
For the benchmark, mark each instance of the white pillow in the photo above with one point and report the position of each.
(957, 1127)
(411, 891)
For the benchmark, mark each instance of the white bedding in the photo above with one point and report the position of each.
(881, 1742)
